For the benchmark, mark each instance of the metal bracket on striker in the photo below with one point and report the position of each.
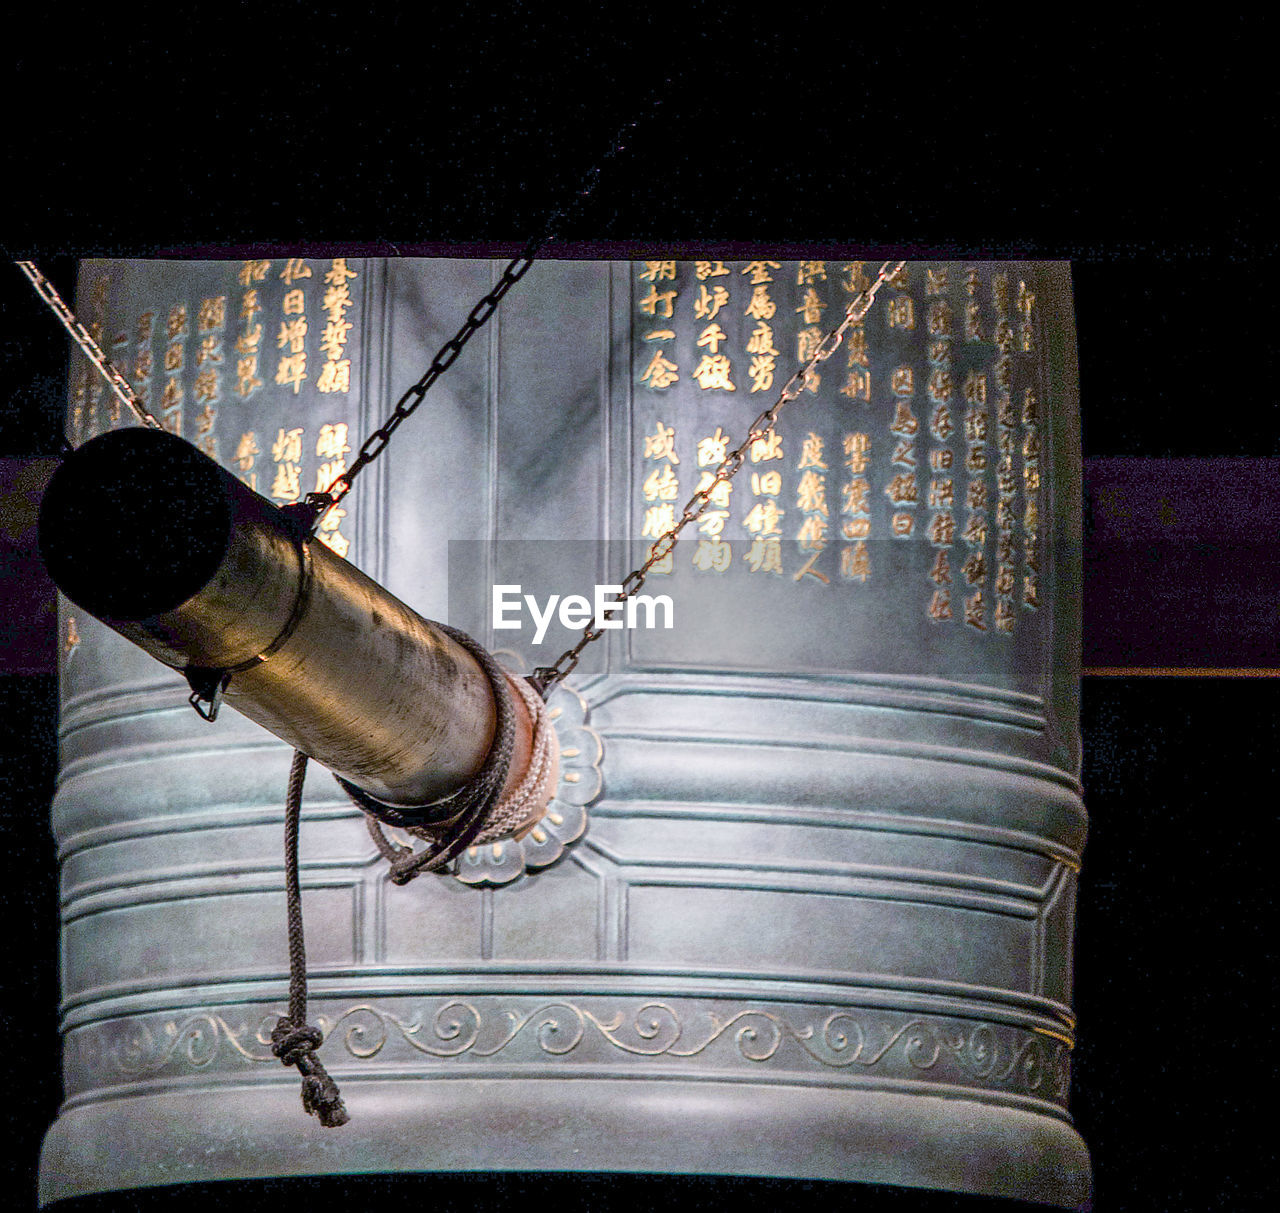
(207, 687)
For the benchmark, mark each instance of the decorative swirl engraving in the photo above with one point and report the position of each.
(995, 1056)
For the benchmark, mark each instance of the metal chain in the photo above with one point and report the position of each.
(119, 384)
(545, 677)
(517, 267)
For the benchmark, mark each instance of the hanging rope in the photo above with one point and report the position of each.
(453, 824)
(293, 1040)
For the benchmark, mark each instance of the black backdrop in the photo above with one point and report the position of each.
(1131, 152)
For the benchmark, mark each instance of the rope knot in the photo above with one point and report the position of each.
(296, 1046)
(292, 1044)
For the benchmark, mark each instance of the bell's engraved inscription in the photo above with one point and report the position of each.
(335, 374)
(246, 451)
(286, 453)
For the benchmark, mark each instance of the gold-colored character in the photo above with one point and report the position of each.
(661, 444)
(293, 303)
(858, 386)
(719, 490)
(811, 453)
(336, 300)
(660, 335)
(661, 484)
(171, 398)
(658, 303)
(903, 381)
(761, 340)
(764, 518)
(210, 350)
(708, 269)
(766, 484)
(761, 372)
(761, 306)
(941, 571)
(712, 523)
(940, 424)
(904, 420)
(857, 496)
(941, 494)
(145, 324)
(903, 489)
(976, 459)
(759, 271)
(1004, 616)
(901, 313)
(935, 280)
(294, 269)
(855, 562)
(940, 606)
(212, 314)
(328, 472)
(811, 271)
(287, 448)
(857, 448)
(708, 303)
(173, 356)
(856, 343)
(972, 322)
(142, 365)
(247, 375)
(905, 453)
(205, 388)
(939, 320)
(331, 442)
(712, 450)
(661, 371)
(975, 531)
(253, 271)
(291, 371)
(855, 279)
(765, 555)
(856, 528)
(246, 449)
(176, 325)
(711, 337)
(655, 271)
(811, 494)
(942, 530)
(335, 376)
(807, 569)
(334, 338)
(974, 568)
(249, 306)
(811, 307)
(713, 373)
(338, 274)
(249, 340)
(941, 386)
(975, 611)
(285, 487)
(902, 525)
(766, 448)
(712, 556)
(658, 520)
(976, 499)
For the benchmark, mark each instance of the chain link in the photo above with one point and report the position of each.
(547, 676)
(320, 503)
(119, 384)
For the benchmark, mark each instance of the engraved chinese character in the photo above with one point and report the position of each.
(942, 530)
(712, 556)
(938, 318)
(941, 386)
(661, 371)
(247, 375)
(939, 352)
(336, 300)
(855, 562)
(941, 571)
(975, 611)
(661, 484)
(658, 520)
(975, 531)
(338, 274)
(942, 493)
(759, 271)
(935, 280)
(761, 372)
(711, 337)
(857, 499)
(940, 425)
(335, 376)
(766, 484)
(145, 323)
(902, 525)
(813, 533)
(811, 453)
(976, 459)
(765, 555)
(655, 271)
(249, 306)
(903, 381)
(902, 489)
(707, 304)
(904, 420)
(212, 314)
(973, 321)
(858, 386)
(974, 568)
(142, 365)
(811, 307)
(761, 341)
(1004, 616)
(708, 269)
(761, 306)
(811, 271)
(855, 279)
(811, 494)
(172, 396)
(901, 313)
(712, 523)
(249, 340)
(657, 303)
(246, 449)
(905, 453)
(712, 450)
(856, 343)
(713, 373)
(661, 444)
(287, 448)
(209, 351)
(857, 447)
(328, 472)
(293, 303)
(331, 442)
(253, 271)
(292, 370)
(173, 356)
(940, 606)
(294, 269)
(334, 338)
(285, 486)
(766, 448)
(205, 388)
(764, 518)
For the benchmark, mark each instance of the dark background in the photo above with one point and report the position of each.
(1127, 149)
